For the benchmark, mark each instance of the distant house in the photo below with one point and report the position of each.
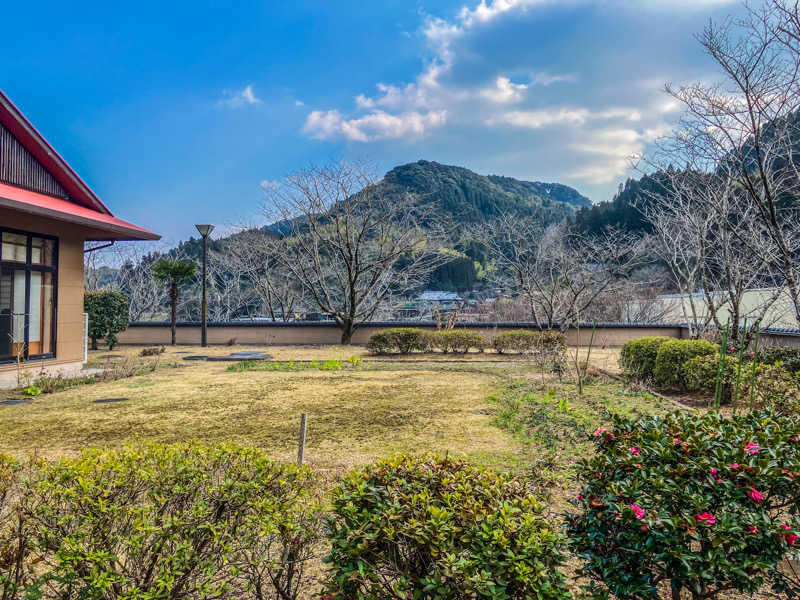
(442, 300)
(47, 213)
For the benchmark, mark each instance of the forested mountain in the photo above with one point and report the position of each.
(473, 198)
(621, 211)
(467, 198)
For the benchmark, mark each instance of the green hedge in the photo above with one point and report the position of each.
(402, 340)
(458, 341)
(673, 355)
(525, 341)
(638, 357)
(697, 502)
(436, 527)
(161, 521)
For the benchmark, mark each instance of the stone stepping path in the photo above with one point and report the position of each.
(109, 400)
(234, 357)
(15, 401)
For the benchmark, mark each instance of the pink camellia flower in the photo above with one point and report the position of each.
(579, 496)
(600, 431)
(707, 518)
(634, 450)
(638, 511)
(790, 538)
(755, 495)
(676, 441)
(752, 529)
(795, 438)
(714, 475)
(735, 466)
(751, 448)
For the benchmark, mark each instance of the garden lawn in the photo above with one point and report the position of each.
(355, 415)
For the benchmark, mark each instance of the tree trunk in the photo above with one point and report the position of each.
(173, 292)
(94, 343)
(347, 332)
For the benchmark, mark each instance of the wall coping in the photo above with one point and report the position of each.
(466, 324)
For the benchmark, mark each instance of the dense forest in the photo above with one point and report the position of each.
(624, 210)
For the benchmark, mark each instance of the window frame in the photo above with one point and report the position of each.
(29, 267)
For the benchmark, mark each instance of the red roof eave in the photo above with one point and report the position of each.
(105, 226)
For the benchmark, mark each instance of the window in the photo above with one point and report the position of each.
(28, 275)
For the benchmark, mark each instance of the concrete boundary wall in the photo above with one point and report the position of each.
(307, 333)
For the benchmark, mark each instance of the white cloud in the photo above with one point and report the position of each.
(537, 119)
(377, 125)
(507, 107)
(239, 99)
(505, 91)
(299, 103)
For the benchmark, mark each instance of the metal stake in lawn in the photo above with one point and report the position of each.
(301, 439)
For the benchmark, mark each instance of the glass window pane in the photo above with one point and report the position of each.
(40, 334)
(14, 247)
(42, 251)
(12, 312)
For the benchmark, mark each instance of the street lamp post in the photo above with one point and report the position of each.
(204, 231)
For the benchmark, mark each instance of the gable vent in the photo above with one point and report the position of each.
(20, 168)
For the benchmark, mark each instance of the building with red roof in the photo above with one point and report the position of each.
(47, 213)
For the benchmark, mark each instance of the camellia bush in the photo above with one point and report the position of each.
(176, 521)
(638, 357)
(108, 315)
(692, 502)
(435, 527)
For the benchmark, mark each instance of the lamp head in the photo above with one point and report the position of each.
(205, 229)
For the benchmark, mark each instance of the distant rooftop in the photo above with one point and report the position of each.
(436, 296)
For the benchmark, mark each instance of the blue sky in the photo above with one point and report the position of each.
(177, 112)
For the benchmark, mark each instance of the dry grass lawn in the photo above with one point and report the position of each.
(355, 415)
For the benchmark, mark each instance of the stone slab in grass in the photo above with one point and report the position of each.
(110, 400)
(111, 356)
(238, 356)
(195, 357)
(15, 401)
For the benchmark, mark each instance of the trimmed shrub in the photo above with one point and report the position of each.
(400, 339)
(671, 357)
(435, 527)
(777, 388)
(702, 502)
(108, 315)
(458, 341)
(699, 374)
(525, 341)
(190, 521)
(638, 357)
(790, 357)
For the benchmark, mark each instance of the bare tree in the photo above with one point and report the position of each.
(257, 255)
(353, 244)
(128, 267)
(710, 236)
(560, 273)
(741, 134)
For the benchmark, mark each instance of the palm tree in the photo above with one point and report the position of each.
(174, 272)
